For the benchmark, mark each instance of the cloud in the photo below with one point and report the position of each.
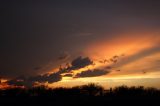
(20, 81)
(17, 82)
(77, 63)
(81, 62)
(30, 81)
(54, 78)
(92, 73)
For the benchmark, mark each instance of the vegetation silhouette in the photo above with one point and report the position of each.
(92, 94)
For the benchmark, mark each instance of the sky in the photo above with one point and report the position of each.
(74, 42)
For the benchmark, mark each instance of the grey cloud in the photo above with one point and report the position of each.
(77, 63)
(81, 62)
(92, 73)
(30, 81)
(54, 77)
(17, 82)
(20, 81)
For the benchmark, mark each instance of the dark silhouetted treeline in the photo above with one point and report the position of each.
(91, 94)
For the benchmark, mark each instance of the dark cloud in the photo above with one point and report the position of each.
(54, 78)
(30, 81)
(81, 62)
(50, 78)
(92, 73)
(77, 63)
(114, 59)
(20, 81)
(17, 82)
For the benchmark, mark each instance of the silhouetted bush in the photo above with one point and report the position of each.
(90, 93)
(87, 90)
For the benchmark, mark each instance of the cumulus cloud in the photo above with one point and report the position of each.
(92, 73)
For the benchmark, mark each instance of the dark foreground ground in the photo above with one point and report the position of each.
(81, 96)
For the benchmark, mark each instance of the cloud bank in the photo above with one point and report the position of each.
(79, 62)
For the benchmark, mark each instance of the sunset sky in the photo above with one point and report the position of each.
(74, 42)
